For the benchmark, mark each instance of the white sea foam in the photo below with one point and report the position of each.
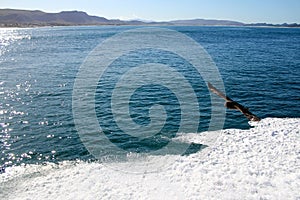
(260, 163)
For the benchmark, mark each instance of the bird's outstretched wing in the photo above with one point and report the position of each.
(229, 103)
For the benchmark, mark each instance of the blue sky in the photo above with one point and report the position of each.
(249, 11)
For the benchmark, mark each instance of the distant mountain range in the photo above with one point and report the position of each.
(27, 18)
(206, 22)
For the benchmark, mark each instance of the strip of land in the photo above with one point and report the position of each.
(36, 18)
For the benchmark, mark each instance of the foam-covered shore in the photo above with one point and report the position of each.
(260, 163)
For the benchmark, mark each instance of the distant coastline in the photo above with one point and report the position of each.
(36, 18)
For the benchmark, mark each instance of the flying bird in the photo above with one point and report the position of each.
(231, 104)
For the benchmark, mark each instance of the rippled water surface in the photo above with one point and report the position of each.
(260, 68)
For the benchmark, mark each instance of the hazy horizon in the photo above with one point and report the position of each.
(248, 11)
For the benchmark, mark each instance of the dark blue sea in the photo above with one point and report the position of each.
(260, 69)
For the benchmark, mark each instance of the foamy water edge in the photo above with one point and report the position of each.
(262, 162)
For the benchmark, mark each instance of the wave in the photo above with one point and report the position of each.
(262, 162)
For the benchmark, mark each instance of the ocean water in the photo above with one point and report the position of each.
(260, 68)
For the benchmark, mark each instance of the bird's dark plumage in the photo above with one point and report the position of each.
(230, 104)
